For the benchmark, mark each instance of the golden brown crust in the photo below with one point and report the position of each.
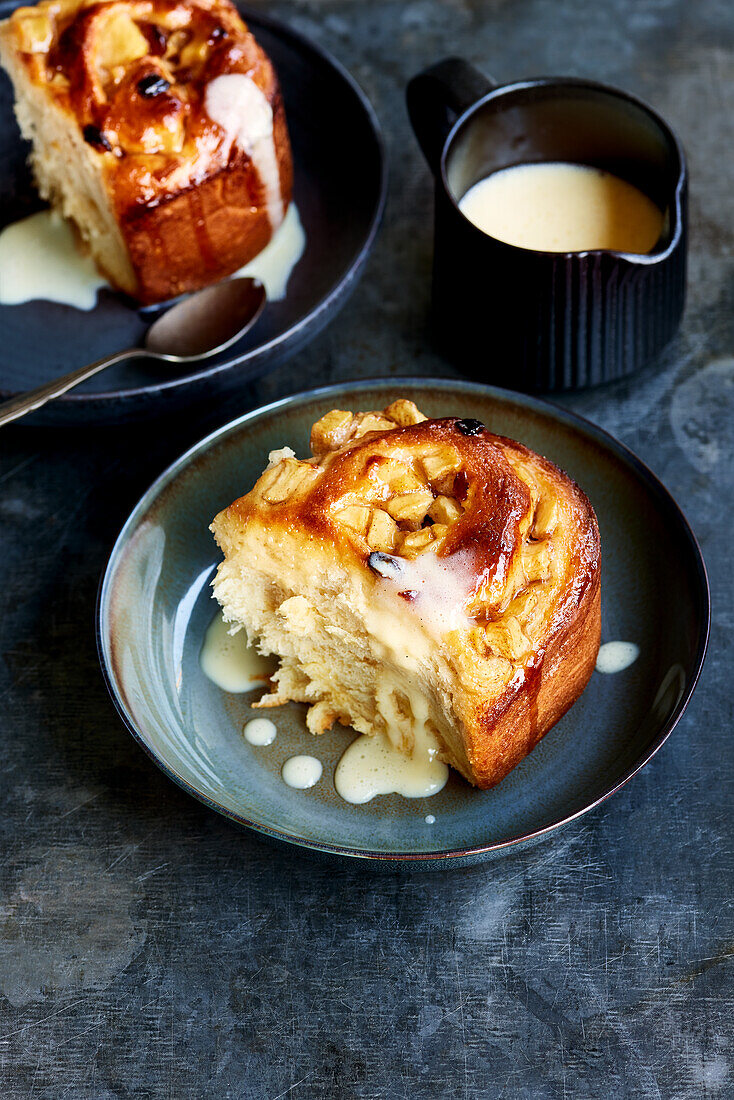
(523, 532)
(190, 203)
(203, 233)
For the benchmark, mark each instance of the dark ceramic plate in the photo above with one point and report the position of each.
(155, 605)
(340, 185)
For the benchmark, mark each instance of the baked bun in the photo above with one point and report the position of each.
(420, 578)
(158, 128)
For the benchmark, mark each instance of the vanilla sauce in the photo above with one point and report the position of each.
(242, 110)
(39, 258)
(229, 662)
(559, 207)
(273, 266)
(260, 731)
(372, 766)
(302, 772)
(616, 656)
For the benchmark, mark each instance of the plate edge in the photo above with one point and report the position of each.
(453, 857)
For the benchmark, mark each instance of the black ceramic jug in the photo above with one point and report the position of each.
(547, 321)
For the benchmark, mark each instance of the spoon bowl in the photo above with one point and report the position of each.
(207, 322)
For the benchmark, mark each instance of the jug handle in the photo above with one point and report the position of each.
(437, 96)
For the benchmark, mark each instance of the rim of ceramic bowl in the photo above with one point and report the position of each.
(701, 593)
(343, 284)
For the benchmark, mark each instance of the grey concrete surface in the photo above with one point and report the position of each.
(149, 949)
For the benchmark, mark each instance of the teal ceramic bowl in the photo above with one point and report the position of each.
(155, 605)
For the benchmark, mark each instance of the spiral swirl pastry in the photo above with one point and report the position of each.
(158, 128)
(419, 578)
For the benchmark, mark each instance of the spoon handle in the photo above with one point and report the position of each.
(34, 399)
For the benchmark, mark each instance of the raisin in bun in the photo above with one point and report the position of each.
(157, 127)
(420, 578)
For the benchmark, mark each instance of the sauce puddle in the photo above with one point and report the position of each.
(616, 656)
(302, 772)
(260, 731)
(228, 661)
(371, 766)
(40, 260)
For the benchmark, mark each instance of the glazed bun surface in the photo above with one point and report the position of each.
(423, 579)
(158, 128)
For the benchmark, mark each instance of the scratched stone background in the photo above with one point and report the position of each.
(149, 949)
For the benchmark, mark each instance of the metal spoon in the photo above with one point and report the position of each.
(195, 328)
